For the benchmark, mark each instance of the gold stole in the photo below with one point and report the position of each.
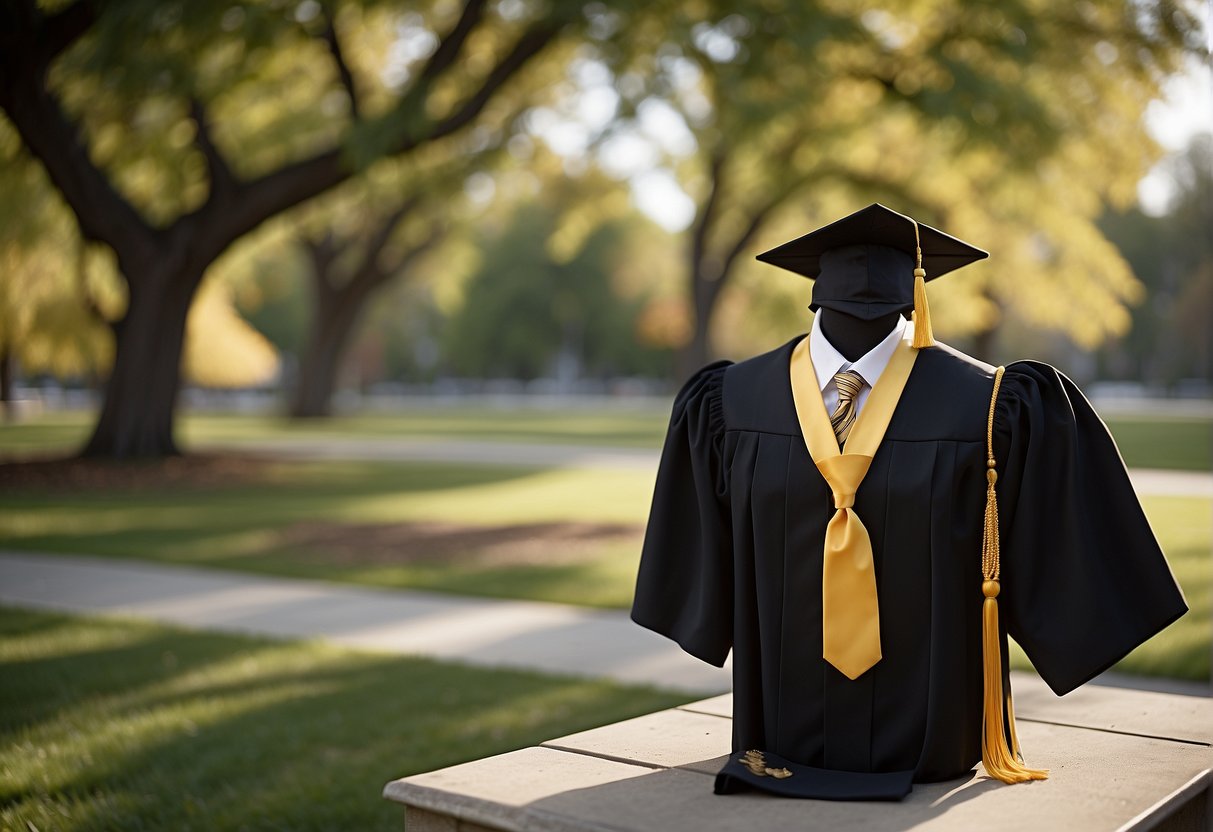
(850, 612)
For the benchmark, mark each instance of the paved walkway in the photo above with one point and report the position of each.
(1146, 481)
(555, 638)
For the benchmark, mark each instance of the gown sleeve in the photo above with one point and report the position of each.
(1083, 578)
(684, 589)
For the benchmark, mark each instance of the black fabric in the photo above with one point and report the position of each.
(865, 281)
(941, 253)
(1088, 582)
(732, 557)
(810, 782)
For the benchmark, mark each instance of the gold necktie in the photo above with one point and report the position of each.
(849, 384)
(850, 612)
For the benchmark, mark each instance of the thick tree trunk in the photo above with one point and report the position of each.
(335, 317)
(6, 383)
(139, 398)
(137, 415)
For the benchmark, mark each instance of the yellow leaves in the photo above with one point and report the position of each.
(221, 348)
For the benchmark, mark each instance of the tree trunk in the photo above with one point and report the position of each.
(983, 345)
(140, 394)
(695, 353)
(705, 291)
(335, 314)
(6, 383)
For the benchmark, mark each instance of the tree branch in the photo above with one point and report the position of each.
(531, 43)
(255, 201)
(369, 274)
(405, 260)
(757, 220)
(450, 47)
(323, 251)
(389, 225)
(223, 181)
(707, 212)
(343, 68)
(102, 213)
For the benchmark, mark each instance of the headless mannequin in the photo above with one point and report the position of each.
(854, 337)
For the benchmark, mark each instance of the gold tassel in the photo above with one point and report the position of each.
(1001, 761)
(924, 336)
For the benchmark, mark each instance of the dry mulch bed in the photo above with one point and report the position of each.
(420, 542)
(521, 544)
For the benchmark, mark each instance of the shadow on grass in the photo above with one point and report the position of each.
(249, 734)
(124, 523)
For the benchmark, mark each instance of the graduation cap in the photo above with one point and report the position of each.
(874, 262)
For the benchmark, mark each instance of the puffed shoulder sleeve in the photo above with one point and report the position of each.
(685, 586)
(1083, 578)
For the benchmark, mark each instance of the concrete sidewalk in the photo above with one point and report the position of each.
(554, 638)
(1146, 481)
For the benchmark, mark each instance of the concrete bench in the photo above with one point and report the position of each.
(1119, 760)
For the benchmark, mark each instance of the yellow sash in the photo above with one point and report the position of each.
(850, 612)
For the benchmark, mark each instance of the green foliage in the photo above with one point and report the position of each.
(51, 313)
(113, 724)
(523, 311)
(1010, 124)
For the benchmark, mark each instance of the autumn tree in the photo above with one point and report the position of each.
(173, 129)
(58, 296)
(1007, 123)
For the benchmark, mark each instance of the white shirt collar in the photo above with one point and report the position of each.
(827, 361)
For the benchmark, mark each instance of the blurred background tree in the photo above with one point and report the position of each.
(526, 314)
(174, 129)
(413, 186)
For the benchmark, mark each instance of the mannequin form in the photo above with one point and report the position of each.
(854, 337)
(749, 549)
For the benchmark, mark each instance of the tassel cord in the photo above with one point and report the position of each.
(1000, 758)
(924, 335)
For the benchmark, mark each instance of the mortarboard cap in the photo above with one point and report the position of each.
(873, 262)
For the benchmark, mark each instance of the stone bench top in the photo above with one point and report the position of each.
(1118, 759)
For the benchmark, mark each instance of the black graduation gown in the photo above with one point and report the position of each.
(732, 559)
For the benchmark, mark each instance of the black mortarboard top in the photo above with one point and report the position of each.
(873, 262)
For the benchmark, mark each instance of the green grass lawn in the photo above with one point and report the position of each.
(1180, 443)
(271, 526)
(642, 426)
(1184, 443)
(112, 724)
(254, 527)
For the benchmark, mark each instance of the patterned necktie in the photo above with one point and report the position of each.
(849, 384)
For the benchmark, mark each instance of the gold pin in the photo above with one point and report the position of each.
(756, 762)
